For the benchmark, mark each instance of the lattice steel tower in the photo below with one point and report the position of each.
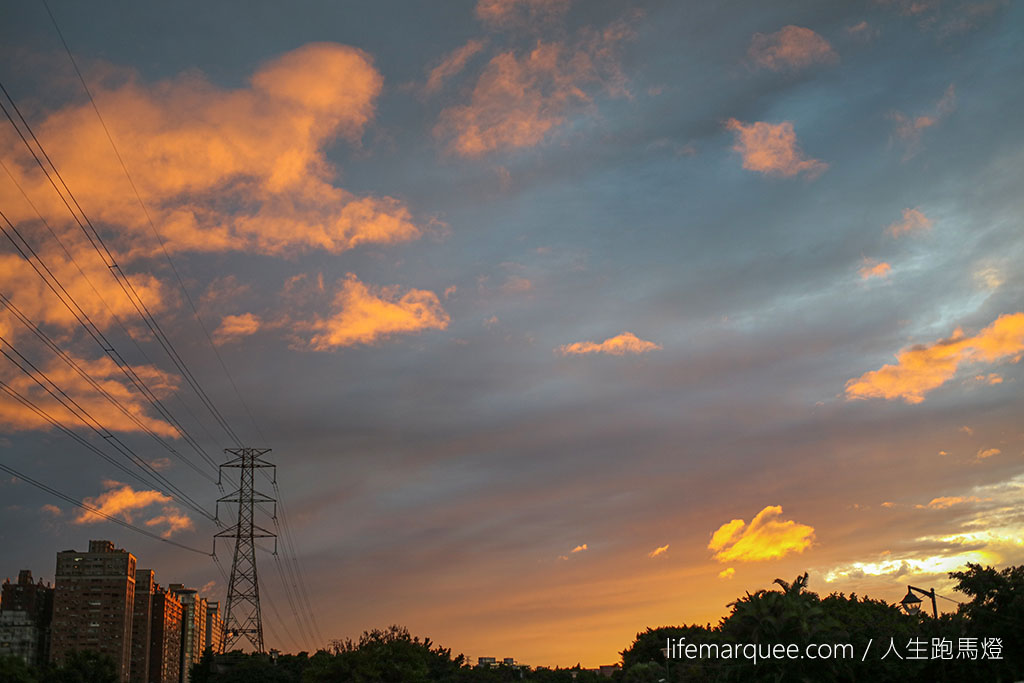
(243, 619)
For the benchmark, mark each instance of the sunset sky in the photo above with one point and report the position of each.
(562, 319)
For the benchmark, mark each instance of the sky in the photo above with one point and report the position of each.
(562, 319)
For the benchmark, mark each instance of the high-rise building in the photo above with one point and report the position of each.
(214, 627)
(193, 631)
(93, 604)
(165, 638)
(25, 612)
(141, 625)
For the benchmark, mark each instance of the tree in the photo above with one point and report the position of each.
(84, 666)
(391, 655)
(15, 670)
(995, 610)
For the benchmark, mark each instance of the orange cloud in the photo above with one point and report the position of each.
(924, 367)
(909, 129)
(765, 538)
(518, 100)
(772, 149)
(988, 453)
(234, 327)
(913, 221)
(872, 268)
(507, 13)
(862, 30)
(516, 285)
(943, 502)
(727, 573)
(174, 519)
(220, 169)
(51, 510)
(452, 63)
(660, 550)
(619, 345)
(579, 548)
(991, 378)
(121, 500)
(92, 288)
(367, 315)
(791, 47)
(17, 417)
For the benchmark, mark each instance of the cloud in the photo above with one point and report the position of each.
(924, 367)
(160, 464)
(873, 268)
(121, 500)
(516, 285)
(987, 453)
(220, 170)
(986, 528)
(134, 418)
(862, 31)
(727, 573)
(913, 221)
(772, 149)
(909, 129)
(967, 430)
(660, 550)
(52, 510)
(988, 278)
(365, 315)
(451, 64)
(943, 502)
(235, 327)
(990, 379)
(174, 519)
(99, 296)
(579, 548)
(765, 538)
(619, 345)
(791, 47)
(510, 13)
(518, 100)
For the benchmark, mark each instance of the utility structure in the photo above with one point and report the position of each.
(243, 619)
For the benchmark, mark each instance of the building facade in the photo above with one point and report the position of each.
(25, 612)
(165, 638)
(141, 625)
(193, 630)
(94, 604)
(214, 627)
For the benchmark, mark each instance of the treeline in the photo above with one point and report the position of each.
(982, 641)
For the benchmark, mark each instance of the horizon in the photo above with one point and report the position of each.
(561, 320)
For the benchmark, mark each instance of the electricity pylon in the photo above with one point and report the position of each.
(243, 619)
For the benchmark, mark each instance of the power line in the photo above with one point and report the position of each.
(291, 591)
(149, 219)
(90, 327)
(84, 374)
(99, 296)
(34, 373)
(96, 240)
(289, 538)
(95, 511)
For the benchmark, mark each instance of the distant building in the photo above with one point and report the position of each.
(142, 619)
(93, 604)
(214, 627)
(26, 609)
(165, 638)
(193, 631)
(486, 662)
